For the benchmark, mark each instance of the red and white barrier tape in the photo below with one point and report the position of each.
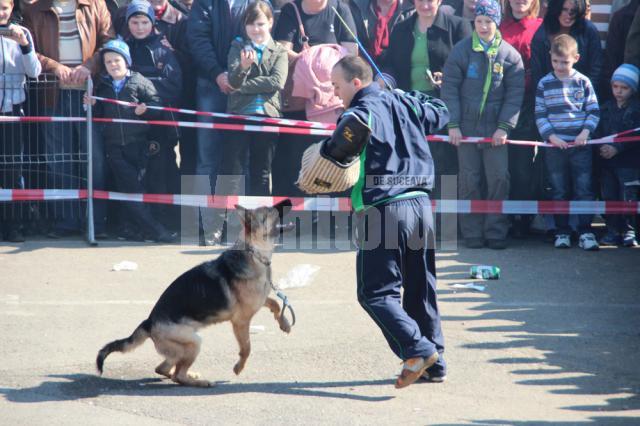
(318, 125)
(335, 204)
(615, 138)
(266, 120)
(212, 126)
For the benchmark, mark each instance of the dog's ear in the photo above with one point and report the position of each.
(242, 214)
(283, 207)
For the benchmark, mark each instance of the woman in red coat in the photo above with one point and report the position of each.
(518, 27)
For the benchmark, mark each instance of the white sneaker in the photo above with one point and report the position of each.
(588, 242)
(562, 241)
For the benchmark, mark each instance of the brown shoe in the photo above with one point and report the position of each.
(413, 368)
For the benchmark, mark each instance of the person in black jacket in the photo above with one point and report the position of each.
(126, 144)
(442, 32)
(158, 63)
(212, 25)
(619, 163)
(370, 17)
(616, 43)
(417, 52)
(567, 16)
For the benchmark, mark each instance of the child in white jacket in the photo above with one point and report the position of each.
(17, 61)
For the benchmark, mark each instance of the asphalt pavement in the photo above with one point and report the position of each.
(556, 340)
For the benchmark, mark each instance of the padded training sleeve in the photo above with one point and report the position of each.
(348, 140)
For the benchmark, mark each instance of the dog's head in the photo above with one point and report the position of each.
(264, 223)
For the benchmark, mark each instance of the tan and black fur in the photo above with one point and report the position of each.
(232, 287)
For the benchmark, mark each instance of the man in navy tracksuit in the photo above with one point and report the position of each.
(393, 211)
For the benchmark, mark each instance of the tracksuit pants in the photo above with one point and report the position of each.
(396, 251)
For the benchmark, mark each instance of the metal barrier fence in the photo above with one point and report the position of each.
(52, 155)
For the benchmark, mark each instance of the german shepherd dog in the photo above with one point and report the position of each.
(232, 287)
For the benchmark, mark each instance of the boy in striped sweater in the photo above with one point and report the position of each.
(567, 113)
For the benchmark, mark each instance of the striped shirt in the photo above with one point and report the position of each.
(566, 106)
(69, 42)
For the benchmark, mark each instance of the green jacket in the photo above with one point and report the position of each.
(266, 79)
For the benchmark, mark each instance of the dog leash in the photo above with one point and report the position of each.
(285, 300)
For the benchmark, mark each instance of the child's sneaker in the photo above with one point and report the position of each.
(611, 239)
(588, 242)
(562, 241)
(629, 239)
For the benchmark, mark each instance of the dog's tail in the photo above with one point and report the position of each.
(139, 335)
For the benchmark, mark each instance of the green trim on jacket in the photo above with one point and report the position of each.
(491, 53)
(357, 201)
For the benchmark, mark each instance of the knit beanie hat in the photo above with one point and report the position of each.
(490, 8)
(141, 7)
(628, 74)
(120, 47)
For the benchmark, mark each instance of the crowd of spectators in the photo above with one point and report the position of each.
(496, 64)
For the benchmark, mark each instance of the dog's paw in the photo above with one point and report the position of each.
(238, 368)
(285, 326)
(193, 375)
(189, 381)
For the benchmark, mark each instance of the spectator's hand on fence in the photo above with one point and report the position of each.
(455, 136)
(557, 142)
(88, 100)
(80, 74)
(608, 151)
(582, 138)
(223, 83)
(499, 138)
(140, 109)
(246, 58)
(63, 73)
(18, 35)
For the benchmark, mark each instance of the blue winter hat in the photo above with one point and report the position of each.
(120, 47)
(628, 74)
(141, 7)
(490, 8)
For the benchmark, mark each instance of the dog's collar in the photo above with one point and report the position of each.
(261, 257)
(267, 262)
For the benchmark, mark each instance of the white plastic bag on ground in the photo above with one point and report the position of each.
(298, 276)
(125, 265)
(470, 286)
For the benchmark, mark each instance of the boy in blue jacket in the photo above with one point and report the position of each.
(620, 162)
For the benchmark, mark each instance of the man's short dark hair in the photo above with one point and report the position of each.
(355, 67)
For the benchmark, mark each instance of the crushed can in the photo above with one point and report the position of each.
(485, 272)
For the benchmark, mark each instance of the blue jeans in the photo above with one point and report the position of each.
(210, 99)
(66, 148)
(569, 172)
(612, 182)
(208, 146)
